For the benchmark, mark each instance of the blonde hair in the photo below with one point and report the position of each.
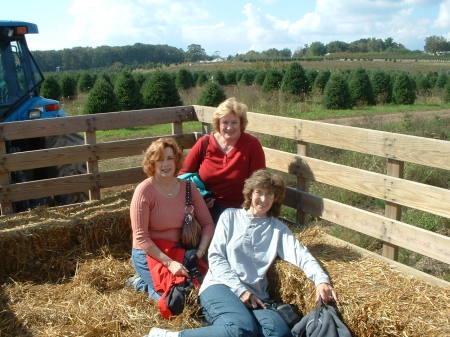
(267, 180)
(155, 152)
(230, 106)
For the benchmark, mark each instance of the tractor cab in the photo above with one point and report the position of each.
(20, 77)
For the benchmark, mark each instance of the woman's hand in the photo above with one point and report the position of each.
(251, 301)
(177, 269)
(326, 292)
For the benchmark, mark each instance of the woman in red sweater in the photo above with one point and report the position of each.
(157, 211)
(231, 156)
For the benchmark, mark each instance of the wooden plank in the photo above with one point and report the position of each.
(92, 165)
(419, 150)
(103, 121)
(127, 176)
(6, 205)
(79, 153)
(47, 187)
(177, 128)
(404, 192)
(394, 168)
(70, 184)
(380, 227)
(302, 150)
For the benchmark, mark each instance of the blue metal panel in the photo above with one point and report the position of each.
(31, 27)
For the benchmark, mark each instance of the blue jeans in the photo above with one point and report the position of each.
(139, 259)
(231, 318)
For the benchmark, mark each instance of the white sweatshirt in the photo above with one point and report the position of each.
(244, 247)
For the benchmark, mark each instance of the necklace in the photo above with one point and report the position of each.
(168, 190)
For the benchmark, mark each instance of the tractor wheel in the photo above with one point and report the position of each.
(68, 169)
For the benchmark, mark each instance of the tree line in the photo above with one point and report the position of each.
(149, 56)
(345, 89)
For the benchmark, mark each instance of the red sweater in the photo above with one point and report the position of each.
(225, 173)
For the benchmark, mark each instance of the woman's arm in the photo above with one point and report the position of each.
(291, 250)
(217, 256)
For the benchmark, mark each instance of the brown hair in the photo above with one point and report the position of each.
(230, 106)
(267, 180)
(155, 152)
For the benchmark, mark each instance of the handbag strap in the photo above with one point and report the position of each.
(188, 194)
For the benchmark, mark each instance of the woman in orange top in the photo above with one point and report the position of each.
(157, 211)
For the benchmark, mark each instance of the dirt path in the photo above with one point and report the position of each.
(388, 118)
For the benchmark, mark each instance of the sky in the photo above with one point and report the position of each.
(228, 27)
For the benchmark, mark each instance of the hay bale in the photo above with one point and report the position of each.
(374, 299)
(33, 243)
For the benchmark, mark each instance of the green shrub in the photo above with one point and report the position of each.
(127, 92)
(230, 77)
(85, 82)
(272, 81)
(101, 98)
(403, 90)
(201, 79)
(139, 78)
(321, 81)
(50, 88)
(68, 86)
(337, 93)
(311, 75)
(260, 77)
(294, 80)
(382, 87)
(442, 80)
(432, 77)
(219, 77)
(212, 95)
(160, 91)
(447, 92)
(360, 88)
(248, 77)
(184, 79)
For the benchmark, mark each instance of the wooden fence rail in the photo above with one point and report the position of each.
(390, 187)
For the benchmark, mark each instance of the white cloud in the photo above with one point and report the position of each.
(120, 22)
(443, 19)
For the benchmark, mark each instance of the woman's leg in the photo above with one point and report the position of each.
(227, 314)
(271, 323)
(145, 283)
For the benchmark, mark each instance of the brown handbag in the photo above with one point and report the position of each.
(191, 230)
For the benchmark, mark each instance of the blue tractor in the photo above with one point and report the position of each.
(20, 79)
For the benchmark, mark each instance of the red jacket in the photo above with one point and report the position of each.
(224, 174)
(163, 279)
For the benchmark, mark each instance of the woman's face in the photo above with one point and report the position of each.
(230, 127)
(262, 200)
(166, 166)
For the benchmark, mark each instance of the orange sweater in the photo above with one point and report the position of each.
(156, 216)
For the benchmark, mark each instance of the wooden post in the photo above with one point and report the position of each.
(302, 150)
(92, 165)
(206, 128)
(6, 206)
(392, 210)
(177, 128)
